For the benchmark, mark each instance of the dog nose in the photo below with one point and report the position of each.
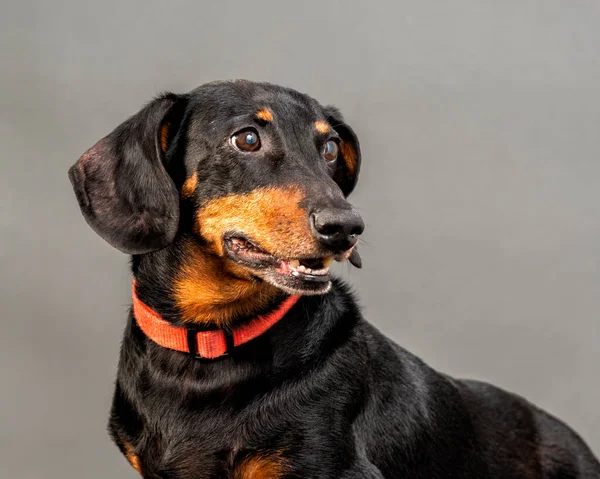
(337, 229)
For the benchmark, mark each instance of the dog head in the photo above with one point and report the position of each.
(256, 173)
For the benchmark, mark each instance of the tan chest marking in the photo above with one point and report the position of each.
(260, 466)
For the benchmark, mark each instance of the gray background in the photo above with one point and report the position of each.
(479, 123)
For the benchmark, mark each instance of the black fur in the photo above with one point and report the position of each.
(322, 388)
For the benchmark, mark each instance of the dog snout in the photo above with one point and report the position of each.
(337, 229)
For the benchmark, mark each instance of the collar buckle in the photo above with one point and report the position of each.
(192, 341)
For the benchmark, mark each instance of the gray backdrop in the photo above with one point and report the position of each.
(480, 189)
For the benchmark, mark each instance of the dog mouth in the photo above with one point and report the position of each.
(295, 276)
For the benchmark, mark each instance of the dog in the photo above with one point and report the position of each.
(242, 357)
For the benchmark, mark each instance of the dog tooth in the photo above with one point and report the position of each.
(308, 270)
(301, 268)
(295, 273)
(294, 263)
(328, 262)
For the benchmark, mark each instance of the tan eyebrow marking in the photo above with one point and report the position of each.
(164, 136)
(265, 114)
(189, 186)
(321, 126)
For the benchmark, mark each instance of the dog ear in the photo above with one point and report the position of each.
(346, 173)
(122, 186)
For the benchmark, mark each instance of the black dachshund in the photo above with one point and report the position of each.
(242, 358)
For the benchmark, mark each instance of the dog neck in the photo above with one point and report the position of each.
(204, 344)
(189, 284)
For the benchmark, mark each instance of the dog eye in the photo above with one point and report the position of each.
(331, 150)
(246, 140)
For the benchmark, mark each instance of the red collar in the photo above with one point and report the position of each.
(203, 344)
